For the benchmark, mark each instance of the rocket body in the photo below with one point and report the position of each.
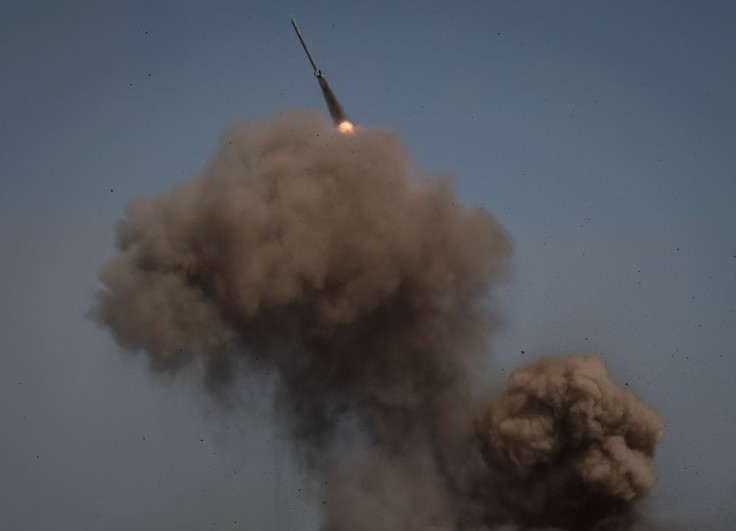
(317, 71)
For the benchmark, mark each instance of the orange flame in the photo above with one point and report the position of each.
(346, 127)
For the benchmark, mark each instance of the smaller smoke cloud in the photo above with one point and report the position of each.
(571, 449)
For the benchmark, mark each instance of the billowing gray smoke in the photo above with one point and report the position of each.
(367, 287)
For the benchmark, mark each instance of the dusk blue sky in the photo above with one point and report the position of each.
(602, 135)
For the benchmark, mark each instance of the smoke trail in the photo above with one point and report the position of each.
(336, 112)
(367, 288)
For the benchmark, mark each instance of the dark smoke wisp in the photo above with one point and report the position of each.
(367, 288)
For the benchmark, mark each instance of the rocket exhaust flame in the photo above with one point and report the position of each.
(368, 292)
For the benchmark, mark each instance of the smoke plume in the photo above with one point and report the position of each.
(568, 445)
(336, 112)
(368, 288)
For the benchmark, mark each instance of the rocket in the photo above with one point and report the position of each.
(339, 117)
(317, 71)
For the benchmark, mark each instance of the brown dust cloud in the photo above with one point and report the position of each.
(368, 289)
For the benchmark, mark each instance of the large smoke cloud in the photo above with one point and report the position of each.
(367, 286)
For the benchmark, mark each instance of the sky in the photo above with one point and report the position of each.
(600, 134)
